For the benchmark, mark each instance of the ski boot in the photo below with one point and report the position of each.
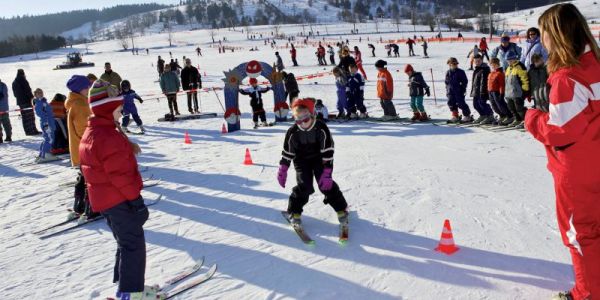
(507, 121)
(142, 129)
(47, 158)
(149, 293)
(343, 217)
(352, 116)
(416, 117)
(265, 124)
(515, 123)
(563, 296)
(455, 119)
(363, 115)
(467, 119)
(255, 125)
(191, 111)
(424, 117)
(125, 129)
(521, 125)
(340, 115)
(487, 120)
(478, 120)
(295, 220)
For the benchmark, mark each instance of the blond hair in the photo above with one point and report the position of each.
(569, 34)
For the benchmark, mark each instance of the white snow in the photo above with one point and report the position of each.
(401, 183)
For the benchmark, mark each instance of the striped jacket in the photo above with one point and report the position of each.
(571, 129)
(302, 145)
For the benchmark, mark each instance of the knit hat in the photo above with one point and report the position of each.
(253, 81)
(104, 99)
(309, 103)
(408, 68)
(380, 63)
(511, 55)
(78, 83)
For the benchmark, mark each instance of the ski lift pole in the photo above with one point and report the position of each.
(433, 84)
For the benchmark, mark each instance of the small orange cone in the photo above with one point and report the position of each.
(248, 159)
(223, 129)
(446, 244)
(187, 138)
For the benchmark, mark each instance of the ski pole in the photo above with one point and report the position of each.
(433, 84)
(218, 99)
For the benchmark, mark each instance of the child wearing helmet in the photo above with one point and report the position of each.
(129, 108)
(309, 145)
(255, 92)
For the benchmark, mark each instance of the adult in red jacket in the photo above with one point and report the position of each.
(114, 184)
(293, 53)
(570, 131)
(358, 60)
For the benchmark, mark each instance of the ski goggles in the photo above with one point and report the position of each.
(303, 118)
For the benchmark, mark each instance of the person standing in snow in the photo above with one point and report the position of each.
(358, 60)
(255, 92)
(309, 145)
(111, 76)
(291, 86)
(129, 108)
(4, 116)
(480, 93)
(355, 93)
(417, 88)
(425, 47)
(77, 117)
(44, 111)
(114, 185)
(496, 85)
(569, 132)
(340, 84)
(279, 62)
(372, 50)
(169, 84)
(516, 89)
(385, 91)
(483, 48)
(160, 66)
(456, 88)
(331, 52)
(293, 54)
(345, 61)
(191, 81)
(22, 92)
(533, 47)
(411, 44)
(501, 51)
(471, 56)
(60, 143)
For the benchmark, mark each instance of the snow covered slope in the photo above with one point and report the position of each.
(401, 182)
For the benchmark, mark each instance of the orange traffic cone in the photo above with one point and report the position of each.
(187, 138)
(248, 159)
(223, 129)
(446, 244)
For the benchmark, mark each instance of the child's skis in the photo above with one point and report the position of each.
(298, 229)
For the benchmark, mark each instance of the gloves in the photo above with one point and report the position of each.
(282, 175)
(141, 101)
(427, 92)
(326, 182)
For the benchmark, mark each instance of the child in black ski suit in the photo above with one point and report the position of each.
(309, 145)
(255, 92)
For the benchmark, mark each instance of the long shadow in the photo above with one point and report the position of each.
(391, 129)
(238, 216)
(195, 134)
(12, 172)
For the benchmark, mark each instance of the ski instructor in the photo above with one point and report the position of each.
(569, 128)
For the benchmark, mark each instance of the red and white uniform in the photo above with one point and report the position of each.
(358, 60)
(571, 134)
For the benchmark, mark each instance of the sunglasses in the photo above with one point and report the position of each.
(303, 119)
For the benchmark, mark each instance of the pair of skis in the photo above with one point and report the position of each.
(299, 229)
(141, 169)
(59, 228)
(170, 290)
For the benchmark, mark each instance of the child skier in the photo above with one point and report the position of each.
(114, 184)
(418, 88)
(44, 111)
(255, 92)
(456, 87)
(538, 75)
(425, 46)
(517, 88)
(309, 145)
(60, 143)
(340, 84)
(321, 111)
(355, 94)
(496, 82)
(480, 93)
(129, 108)
(385, 91)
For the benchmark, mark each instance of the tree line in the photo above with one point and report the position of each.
(17, 45)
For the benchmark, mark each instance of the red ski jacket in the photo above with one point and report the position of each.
(571, 130)
(358, 57)
(108, 165)
(293, 52)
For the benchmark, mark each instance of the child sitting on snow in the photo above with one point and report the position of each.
(321, 111)
(255, 92)
(44, 111)
(308, 144)
(129, 108)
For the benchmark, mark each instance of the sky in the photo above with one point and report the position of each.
(40, 7)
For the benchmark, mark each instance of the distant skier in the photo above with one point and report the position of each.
(425, 46)
(198, 51)
(396, 49)
(293, 54)
(358, 60)
(114, 188)
(129, 108)
(411, 43)
(160, 66)
(456, 88)
(340, 84)
(372, 47)
(44, 111)
(471, 56)
(4, 114)
(331, 53)
(309, 145)
(483, 47)
(279, 62)
(191, 81)
(169, 84)
(291, 86)
(255, 92)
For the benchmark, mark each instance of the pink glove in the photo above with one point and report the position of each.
(282, 175)
(325, 182)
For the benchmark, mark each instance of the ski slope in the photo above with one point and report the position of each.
(401, 182)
